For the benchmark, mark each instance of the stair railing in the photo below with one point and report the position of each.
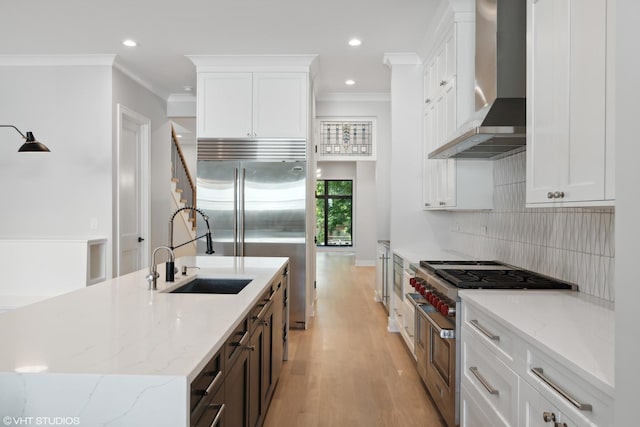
(180, 172)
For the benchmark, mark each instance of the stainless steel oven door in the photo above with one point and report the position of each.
(421, 337)
(441, 364)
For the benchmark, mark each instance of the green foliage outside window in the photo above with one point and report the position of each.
(334, 211)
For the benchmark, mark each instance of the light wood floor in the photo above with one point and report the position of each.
(346, 369)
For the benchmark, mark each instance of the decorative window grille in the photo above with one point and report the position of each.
(346, 139)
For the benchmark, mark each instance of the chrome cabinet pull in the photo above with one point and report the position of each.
(485, 332)
(538, 372)
(216, 420)
(483, 381)
(547, 417)
(555, 195)
(443, 82)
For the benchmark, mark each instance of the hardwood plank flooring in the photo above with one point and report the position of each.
(346, 369)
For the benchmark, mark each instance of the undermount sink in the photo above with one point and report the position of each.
(202, 285)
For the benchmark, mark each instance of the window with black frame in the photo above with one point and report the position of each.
(334, 212)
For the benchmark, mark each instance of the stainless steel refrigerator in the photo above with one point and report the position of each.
(255, 194)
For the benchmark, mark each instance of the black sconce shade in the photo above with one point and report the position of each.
(31, 144)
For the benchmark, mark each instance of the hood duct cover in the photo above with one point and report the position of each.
(499, 123)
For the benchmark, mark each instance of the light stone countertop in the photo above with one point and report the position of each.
(577, 330)
(119, 327)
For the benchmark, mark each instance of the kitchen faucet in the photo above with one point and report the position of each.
(153, 275)
(207, 234)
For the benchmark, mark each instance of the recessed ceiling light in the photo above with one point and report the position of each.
(350, 82)
(130, 43)
(187, 88)
(355, 42)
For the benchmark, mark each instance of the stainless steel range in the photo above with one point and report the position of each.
(437, 328)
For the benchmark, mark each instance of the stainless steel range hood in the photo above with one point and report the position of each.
(499, 123)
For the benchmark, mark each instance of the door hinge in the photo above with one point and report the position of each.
(316, 148)
(315, 284)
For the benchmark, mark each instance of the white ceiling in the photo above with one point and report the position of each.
(167, 31)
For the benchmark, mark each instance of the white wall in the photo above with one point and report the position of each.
(365, 207)
(137, 98)
(380, 109)
(627, 347)
(57, 194)
(415, 232)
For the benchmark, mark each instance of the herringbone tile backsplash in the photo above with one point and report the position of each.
(572, 244)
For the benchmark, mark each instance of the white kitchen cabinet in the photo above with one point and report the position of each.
(252, 105)
(518, 382)
(536, 411)
(569, 86)
(448, 101)
(473, 413)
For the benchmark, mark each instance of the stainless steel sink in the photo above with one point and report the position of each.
(202, 285)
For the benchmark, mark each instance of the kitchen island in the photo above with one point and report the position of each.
(119, 354)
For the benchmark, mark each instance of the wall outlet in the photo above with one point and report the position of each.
(93, 223)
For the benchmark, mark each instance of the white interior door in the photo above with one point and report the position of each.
(133, 193)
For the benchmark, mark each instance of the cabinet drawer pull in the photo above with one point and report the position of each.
(483, 381)
(250, 348)
(538, 372)
(406, 328)
(486, 333)
(216, 420)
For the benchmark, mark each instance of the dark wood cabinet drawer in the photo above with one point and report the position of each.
(234, 345)
(207, 384)
(213, 414)
(261, 307)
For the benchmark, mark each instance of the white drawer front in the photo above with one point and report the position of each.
(566, 390)
(472, 413)
(492, 333)
(489, 378)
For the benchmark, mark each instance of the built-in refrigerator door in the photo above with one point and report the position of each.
(273, 201)
(217, 196)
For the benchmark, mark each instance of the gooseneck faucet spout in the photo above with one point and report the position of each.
(153, 275)
(207, 234)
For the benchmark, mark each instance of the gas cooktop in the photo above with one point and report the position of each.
(490, 275)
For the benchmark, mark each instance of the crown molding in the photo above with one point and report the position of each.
(253, 62)
(354, 97)
(403, 58)
(142, 82)
(56, 60)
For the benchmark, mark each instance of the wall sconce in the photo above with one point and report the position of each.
(31, 143)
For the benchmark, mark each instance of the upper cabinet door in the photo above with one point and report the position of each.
(224, 105)
(252, 105)
(280, 105)
(566, 100)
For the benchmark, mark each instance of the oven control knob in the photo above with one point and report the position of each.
(412, 282)
(435, 301)
(444, 309)
(440, 305)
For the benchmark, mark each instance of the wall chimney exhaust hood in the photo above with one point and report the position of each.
(499, 123)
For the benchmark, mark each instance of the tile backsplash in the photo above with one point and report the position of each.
(572, 244)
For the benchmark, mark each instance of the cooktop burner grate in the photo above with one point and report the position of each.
(500, 279)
